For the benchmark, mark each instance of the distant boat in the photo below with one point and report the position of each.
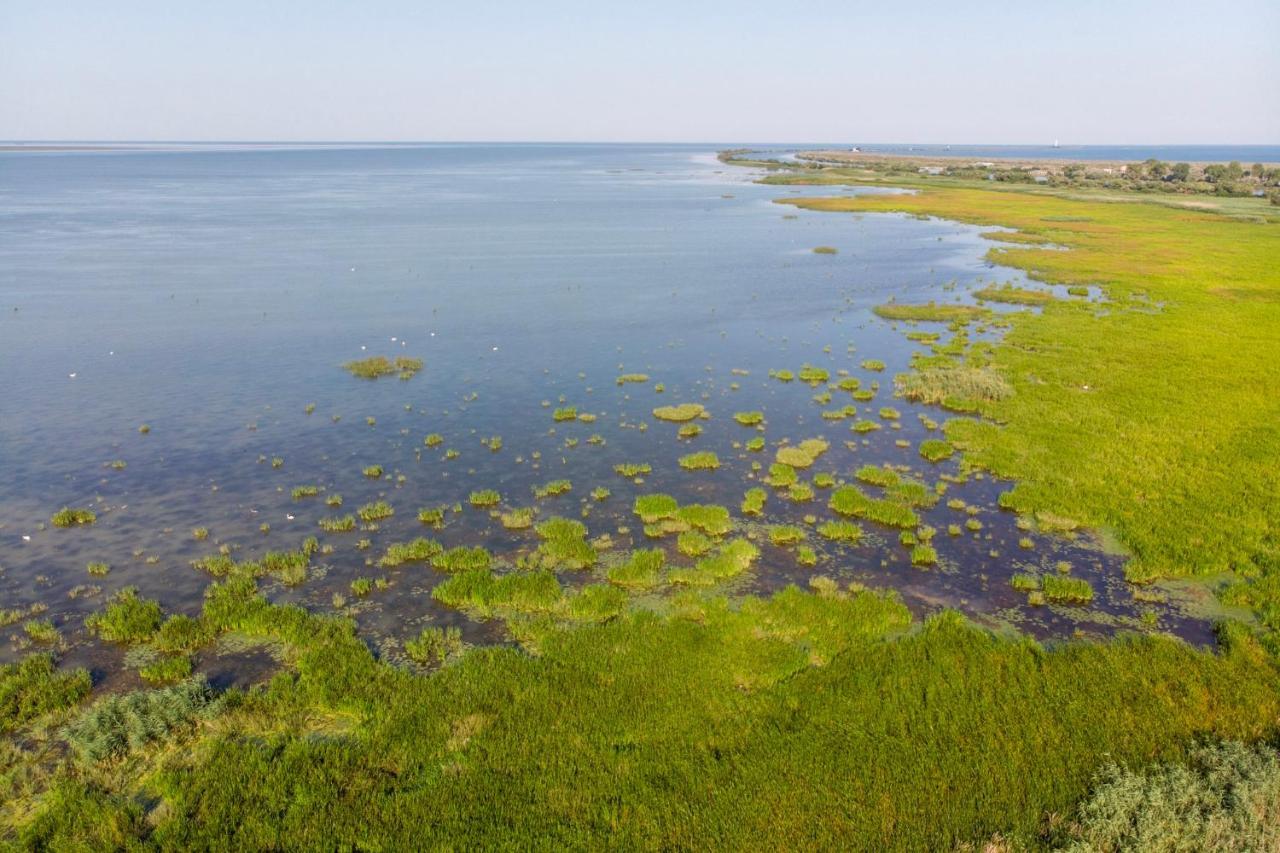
(1055, 143)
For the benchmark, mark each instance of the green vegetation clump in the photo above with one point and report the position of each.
(484, 593)
(520, 518)
(653, 508)
(462, 559)
(803, 454)
(930, 312)
(68, 517)
(923, 555)
(432, 516)
(98, 569)
(418, 550)
(864, 426)
(786, 534)
(840, 531)
(484, 498)
(749, 418)
(182, 633)
(166, 670)
(824, 250)
(552, 489)
(631, 470)
(643, 570)
(936, 450)
(434, 439)
(873, 364)
(813, 375)
(434, 645)
(597, 602)
(375, 367)
(564, 544)
(338, 524)
(127, 619)
(373, 472)
(1014, 295)
(1066, 589)
(702, 461)
(756, 444)
(637, 378)
(681, 413)
(300, 492)
(731, 560)
(117, 725)
(567, 413)
(374, 512)
(782, 475)
(711, 519)
(35, 686)
(753, 501)
(850, 500)
(961, 388)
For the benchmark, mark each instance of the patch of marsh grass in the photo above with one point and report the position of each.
(73, 517)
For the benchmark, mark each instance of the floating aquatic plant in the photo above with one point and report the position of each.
(484, 498)
(518, 519)
(749, 418)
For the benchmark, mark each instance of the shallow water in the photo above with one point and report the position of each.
(213, 295)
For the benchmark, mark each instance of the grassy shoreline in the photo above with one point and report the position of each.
(1155, 414)
(822, 718)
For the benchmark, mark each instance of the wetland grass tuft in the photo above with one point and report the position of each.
(376, 511)
(702, 461)
(681, 413)
(434, 645)
(126, 619)
(850, 500)
(936, 450)
(484, 498)
(69, 517)
(930, 312)
(642, 571)
(375, 367)
(34, 686)
(1067, 590)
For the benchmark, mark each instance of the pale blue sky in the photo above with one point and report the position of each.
(1009, 72)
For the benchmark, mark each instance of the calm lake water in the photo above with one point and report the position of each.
(214, 294)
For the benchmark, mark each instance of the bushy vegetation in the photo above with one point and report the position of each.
(717, 702)
(1222, 797)
(117, 725)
